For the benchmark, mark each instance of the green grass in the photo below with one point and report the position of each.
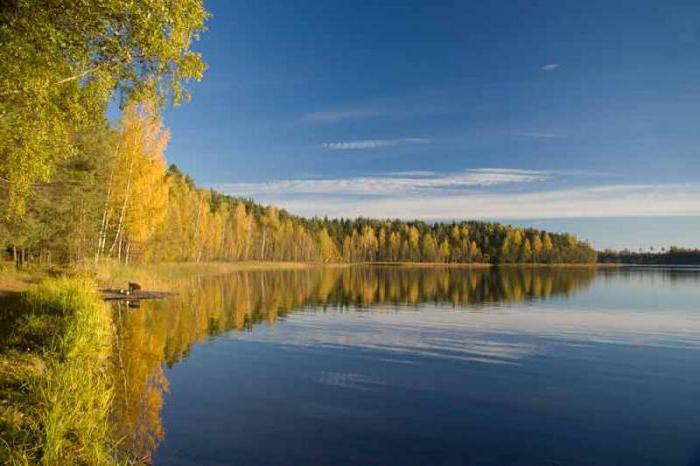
(55, 387)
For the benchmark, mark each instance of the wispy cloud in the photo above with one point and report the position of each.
(403, 106)
(373, 143)
(539, 135)
(550, 66)
(333, 116)
(388, 184)
(414, 173)
(472, 194)
(599, 201)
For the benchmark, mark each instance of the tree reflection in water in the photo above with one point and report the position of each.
(163, 332)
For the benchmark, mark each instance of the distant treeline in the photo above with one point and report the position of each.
(672, 256)
(114, 198)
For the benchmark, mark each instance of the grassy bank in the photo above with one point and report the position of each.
(55, 388)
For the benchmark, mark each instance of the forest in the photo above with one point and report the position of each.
(75, 187)
(116, 199)
(671, 256)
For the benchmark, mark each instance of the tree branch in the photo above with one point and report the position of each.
(77, 76)
(59, 82)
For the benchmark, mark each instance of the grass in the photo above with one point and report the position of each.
(55, 388)
(14, 280)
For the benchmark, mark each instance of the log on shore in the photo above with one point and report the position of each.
(111, 294)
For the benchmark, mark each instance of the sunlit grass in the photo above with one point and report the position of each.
(54, 377)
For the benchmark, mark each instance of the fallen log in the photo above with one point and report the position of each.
(113, 294)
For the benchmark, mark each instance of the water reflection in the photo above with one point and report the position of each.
(163, 332)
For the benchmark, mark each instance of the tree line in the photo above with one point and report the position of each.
(115, 198)
(671, 256)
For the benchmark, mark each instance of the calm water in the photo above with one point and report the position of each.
(415, 366)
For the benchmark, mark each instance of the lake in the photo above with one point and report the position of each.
(414, 366)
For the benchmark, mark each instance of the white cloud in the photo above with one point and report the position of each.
(389, 184)
(550, 66)
(373, 143)
(599, 201)
(333, 116)
(404, 106)
(471, 194)
(414, 173)
(540, 135)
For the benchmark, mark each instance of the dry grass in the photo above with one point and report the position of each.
(13, 280)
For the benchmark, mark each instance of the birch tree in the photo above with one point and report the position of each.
(61, 62)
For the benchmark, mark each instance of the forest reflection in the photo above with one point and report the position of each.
(160, 333)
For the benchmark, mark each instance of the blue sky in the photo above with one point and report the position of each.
(568, 115)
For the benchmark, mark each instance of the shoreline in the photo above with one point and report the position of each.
(159, 275)
(162, 275)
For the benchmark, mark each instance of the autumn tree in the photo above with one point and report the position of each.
(327, 249)
(445, 250)
(137, 195)
(547, 246)
(414, 243)
(429, 248)
(537, 247)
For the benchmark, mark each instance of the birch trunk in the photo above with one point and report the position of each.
(120, 225)
(102, 238)
(248, 237)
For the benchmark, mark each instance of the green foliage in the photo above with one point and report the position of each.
(671, 256)
(62, 217)
(61, 62)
